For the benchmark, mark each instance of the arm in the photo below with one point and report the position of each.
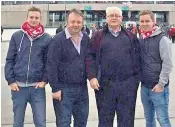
(91, 57)
(135, 54)
(137, 58)
(45, 77)
(91, 66)
(53, 60)
(10, 62)
(166, 57)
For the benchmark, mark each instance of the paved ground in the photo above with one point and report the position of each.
(6, 103)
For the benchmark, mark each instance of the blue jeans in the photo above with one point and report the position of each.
(74, 101)
(37, 100)
(155, 102)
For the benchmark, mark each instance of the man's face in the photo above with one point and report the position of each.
(74, 23)
(34, 18)
(113, 19)
(146, 23)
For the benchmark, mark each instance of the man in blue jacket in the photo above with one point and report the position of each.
(67, 72)
(156, 65)
(113, 70)
(25, 69)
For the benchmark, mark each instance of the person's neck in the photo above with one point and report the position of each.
(73, 35)
(116, 28)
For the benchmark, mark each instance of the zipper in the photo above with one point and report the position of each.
(21, 43)
(28, 67)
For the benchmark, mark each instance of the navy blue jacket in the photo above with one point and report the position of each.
(120, 56)
(26, 59)
(65, 66)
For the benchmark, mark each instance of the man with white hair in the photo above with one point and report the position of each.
(113, 67)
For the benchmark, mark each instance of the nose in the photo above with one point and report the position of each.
(34, 20)
(143, 23)
(75, 24)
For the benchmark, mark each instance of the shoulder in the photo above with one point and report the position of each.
(60, 35)
(85, 36)
(18, 33)
(16, 36)
(98, 33)
(47, 36)
(165, 40)
(129, 34)
(58, 38)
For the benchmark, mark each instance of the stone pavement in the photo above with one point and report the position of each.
(6, 113)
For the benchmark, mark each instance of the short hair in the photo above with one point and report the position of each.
(33, 9)
(117, 10)
(147, 12)
(78, 12)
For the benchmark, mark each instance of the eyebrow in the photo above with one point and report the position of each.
(144, 20)
(34, 16)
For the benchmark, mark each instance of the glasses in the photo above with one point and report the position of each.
(112, 16)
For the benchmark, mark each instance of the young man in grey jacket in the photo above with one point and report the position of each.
(156, 65)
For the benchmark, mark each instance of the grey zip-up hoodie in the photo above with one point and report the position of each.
(160, 56)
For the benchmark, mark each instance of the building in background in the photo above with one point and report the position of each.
(94, 11)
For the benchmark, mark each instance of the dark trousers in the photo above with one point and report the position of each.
(119, 98)
(173, 39)
(75, 101)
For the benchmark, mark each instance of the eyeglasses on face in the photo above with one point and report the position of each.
(114, 15)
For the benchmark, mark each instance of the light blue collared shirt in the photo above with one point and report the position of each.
(68, 35)
(115, 34)
(21, 84)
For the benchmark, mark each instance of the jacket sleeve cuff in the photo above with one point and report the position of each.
(91, 77)
(161, 84)
(55, 89)
(45, 79)
(10, 81)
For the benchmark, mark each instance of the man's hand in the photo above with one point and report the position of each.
(57, 95)
(14, 86)
(94, 83)
(158, 89)
(40, 85)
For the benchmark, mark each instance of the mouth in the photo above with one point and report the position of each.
(144, 27)
(76, 29)
(115, 21)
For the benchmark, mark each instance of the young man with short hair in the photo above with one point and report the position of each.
(25, 69)
(156, 65)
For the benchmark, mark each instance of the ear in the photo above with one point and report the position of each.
(65, 24)
(27, 17)
(41, 19)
